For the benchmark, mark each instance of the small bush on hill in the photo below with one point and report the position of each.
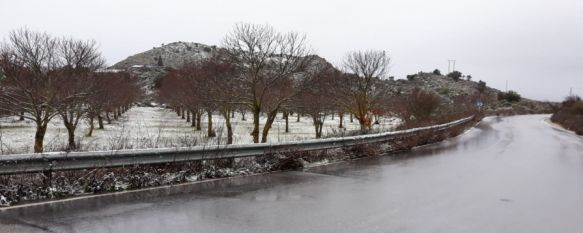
(444, 91)
(481, 86)
(510, 96)
(455, 75)
(437, 72)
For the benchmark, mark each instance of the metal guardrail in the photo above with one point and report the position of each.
(58, 161)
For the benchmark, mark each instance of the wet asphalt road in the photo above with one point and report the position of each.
(513, 174)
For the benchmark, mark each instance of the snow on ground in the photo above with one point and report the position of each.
(147, 127)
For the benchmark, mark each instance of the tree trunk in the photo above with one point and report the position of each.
(233, 114)
(243, 116)
(91, 127)
(71, 132)
(198, 120)
(187, 116)
(39, 137)
(229, 128)
(193, 119)
(341, 116)
(255, 132)
(363, 125)
(270, 118)
(351, 118)
(318, 125)
(100, 121)
(298, 120)
(211, 133)
(287, 122)
(21, 116)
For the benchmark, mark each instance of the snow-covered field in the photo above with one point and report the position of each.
(147, 127)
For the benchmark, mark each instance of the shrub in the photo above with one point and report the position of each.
(481, 86)
(573, 105)
(571, 100)
(570, 114)
(577, 108)
(469, 78)
(455, 75)
(160, 62)
(421, 104)
(437, 72)
(444, 91)
(510, 96)
(411, 77)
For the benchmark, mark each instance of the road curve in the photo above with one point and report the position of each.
(513, 174)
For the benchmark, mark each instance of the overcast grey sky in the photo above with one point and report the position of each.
(537, 45)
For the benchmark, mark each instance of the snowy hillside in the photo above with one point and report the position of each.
(170, 55)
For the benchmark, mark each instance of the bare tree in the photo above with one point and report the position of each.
(317, 96)
(267, 60)
(224, 86)
(80, 59)
(363, 88)
(31, 83)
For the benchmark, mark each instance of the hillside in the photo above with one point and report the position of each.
(570, 114)
(170, 55)
(450, 89)
(153, 64)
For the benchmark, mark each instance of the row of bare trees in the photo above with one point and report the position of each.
(44, 77)
(263, 71)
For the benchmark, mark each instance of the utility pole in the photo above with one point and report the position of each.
(450, 66)
(571, 92)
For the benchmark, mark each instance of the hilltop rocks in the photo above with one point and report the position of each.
(172, 55)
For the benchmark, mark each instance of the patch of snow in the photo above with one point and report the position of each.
(154, 127)
(4, 201)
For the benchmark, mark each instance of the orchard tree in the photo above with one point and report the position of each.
(31, 83)
(267, 61)
(223, 84)
(80, 60)
(109, 90)
(363, 88)
(317, 98)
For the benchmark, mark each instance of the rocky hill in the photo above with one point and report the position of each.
(170, 55)
(150, 66)
(450, 89)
